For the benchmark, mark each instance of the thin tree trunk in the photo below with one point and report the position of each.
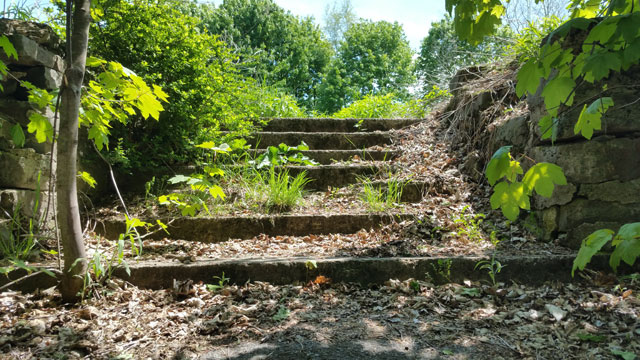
(67, 198)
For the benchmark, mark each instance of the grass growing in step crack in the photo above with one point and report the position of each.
(377, 198)
(282, 191)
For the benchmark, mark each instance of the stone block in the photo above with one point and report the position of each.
(577, 234)
(627, 192)
(512, 131)
(40, 33)
(44, 78)
(548, 222)
(32, 54)
(562, 195)
(582, 211)
(28, 202)
(20, 169)
(599, 160)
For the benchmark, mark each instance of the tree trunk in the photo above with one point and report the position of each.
(67, 199)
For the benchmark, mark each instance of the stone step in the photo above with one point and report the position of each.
(322, 140)
(326, 157)
(527, 269)
(336, 125)
(323, 176)
(221, 228)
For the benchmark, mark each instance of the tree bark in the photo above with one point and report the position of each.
(75, 262)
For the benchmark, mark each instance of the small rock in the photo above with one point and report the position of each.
(556, 312)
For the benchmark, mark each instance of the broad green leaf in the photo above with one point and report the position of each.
(514, 170)
(628, 26)
(87, 178)
(627, 245)
(498, 165)
(590, 246)
(598, 65)
(542, 178)
(94, 61)
(510, 198)
(631, 54)
(41, 126)
(216, 192)
(528, 78)
(160, 94)
(210, 145)
(590, 117)
(558, 91)
(179, 179)
(8, 48)
(599, 34)
(17, 135)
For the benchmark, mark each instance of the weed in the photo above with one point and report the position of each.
(470, 227)
(284, 191)
(222, 282)
(441, 271)
(379, 199)
(282, 314)
(493, 268)
(283, 154)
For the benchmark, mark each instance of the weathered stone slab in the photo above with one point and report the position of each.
(29, 202)
(627, 192)
(44, 78)
(31, 54)
(599, 160)
(336, 125)
(582, 211)
(521, 269)
(326, 157)
(323, 176)
(20, 169)
(322, 140)
(562, 194)
(218, 229)
(40, 33)
(514, 131)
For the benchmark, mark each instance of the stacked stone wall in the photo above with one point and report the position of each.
(25, 171)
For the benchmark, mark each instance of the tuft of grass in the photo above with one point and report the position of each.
(378, 199)
(283, 191)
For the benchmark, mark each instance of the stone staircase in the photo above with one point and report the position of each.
(343, 152)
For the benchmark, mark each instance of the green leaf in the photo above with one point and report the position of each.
(510, 198)
(8, 48)
(542, 178)
(41, 126)
(627, 245)
(87, 178)
(591, 337)
(94, 61)
(626, 355)
(558, 91)
(17, 135)
(311, 264)
(598, 65)
(528, 78)
(282, 313)
(498, 165)
(216, 192)
(590, 117)
(590, 246)
(179, 179)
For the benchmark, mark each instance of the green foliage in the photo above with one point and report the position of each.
(282, 314)
(283, 154)
(197, 71)
(382, 106)
(493, 268)
(442, 53)
(284, 191)
(470, 227)
(381, 198)
(273, 46)
(626, 244)
(102, 266)
(87, 178)
(222, 282)
(511, 195)
(374, 58)
(526, 43)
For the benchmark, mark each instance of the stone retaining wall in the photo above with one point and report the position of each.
(25, 171)
(603, 174)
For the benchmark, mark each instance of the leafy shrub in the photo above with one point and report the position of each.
(382, 106)
(282, 155)
(526, 44)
